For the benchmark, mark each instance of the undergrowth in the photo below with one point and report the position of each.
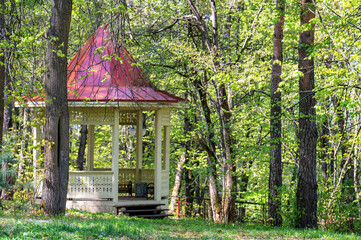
(84, 225)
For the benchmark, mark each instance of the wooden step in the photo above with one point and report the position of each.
(155, 216)
(140, 205)
(143, 210)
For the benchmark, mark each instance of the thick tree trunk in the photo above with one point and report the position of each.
(82, 144)
(275, 174)
(56, 162)
(306, 196)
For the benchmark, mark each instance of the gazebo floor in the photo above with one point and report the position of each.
(109, 206)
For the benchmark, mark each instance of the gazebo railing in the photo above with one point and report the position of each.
(129, 174)
(98, 183)
(90, 184)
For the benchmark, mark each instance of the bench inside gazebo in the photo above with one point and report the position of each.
(106, 87)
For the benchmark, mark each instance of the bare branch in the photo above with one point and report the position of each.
(339, 49)
(249, 37)
(175, 21)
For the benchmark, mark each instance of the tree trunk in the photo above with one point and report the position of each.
(2, 68)
(306, 195)
(56, 162)
(230, 177)
(324, 148)
(82, 144)
(177, 182)
(275, 174)
(210, 147)
(347, 188)
(8, 106)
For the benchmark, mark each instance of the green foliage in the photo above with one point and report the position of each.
(7, 159)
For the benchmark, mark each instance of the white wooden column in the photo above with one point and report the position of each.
(158, 157)
(90, 154)
(115, 155)
(166, 147)
(139, 146)
(36, 140)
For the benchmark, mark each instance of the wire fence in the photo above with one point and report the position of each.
(201, 207)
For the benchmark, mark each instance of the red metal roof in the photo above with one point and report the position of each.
(102, 71)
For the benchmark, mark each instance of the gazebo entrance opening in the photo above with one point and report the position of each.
(138, 181)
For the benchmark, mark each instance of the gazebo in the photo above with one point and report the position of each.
(106, 87)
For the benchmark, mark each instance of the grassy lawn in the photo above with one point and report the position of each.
(84, 225)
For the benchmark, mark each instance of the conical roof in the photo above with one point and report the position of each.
(101, 71)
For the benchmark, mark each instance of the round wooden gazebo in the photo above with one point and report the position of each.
(106, 87)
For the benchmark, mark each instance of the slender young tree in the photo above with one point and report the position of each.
(306, 195)
(2, 68)
(275, 175)
(56, 161)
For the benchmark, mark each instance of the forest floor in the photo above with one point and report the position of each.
(83, 225)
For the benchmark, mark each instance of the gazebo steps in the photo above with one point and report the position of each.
(155, 216)
(143, 211)
(137, 206)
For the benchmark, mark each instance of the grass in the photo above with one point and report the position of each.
(84, 225)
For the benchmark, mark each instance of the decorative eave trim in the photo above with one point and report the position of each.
(121, 105)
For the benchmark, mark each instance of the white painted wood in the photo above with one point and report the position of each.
(165, 116)
(139, 145)
(115, 155)
(166, 147)
(108, 206)
(90, 184)
(166, 152)
(91, 116)
(158, 156)
(146, 106)
(90, 154)
(100, 116)
(165, 184)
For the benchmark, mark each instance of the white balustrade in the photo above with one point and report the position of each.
(98, 183)
(90, 184)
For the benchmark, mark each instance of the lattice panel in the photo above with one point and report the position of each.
(127, 118)
(92, 116)
(147, 175)
(126, 175)
(88, 184)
